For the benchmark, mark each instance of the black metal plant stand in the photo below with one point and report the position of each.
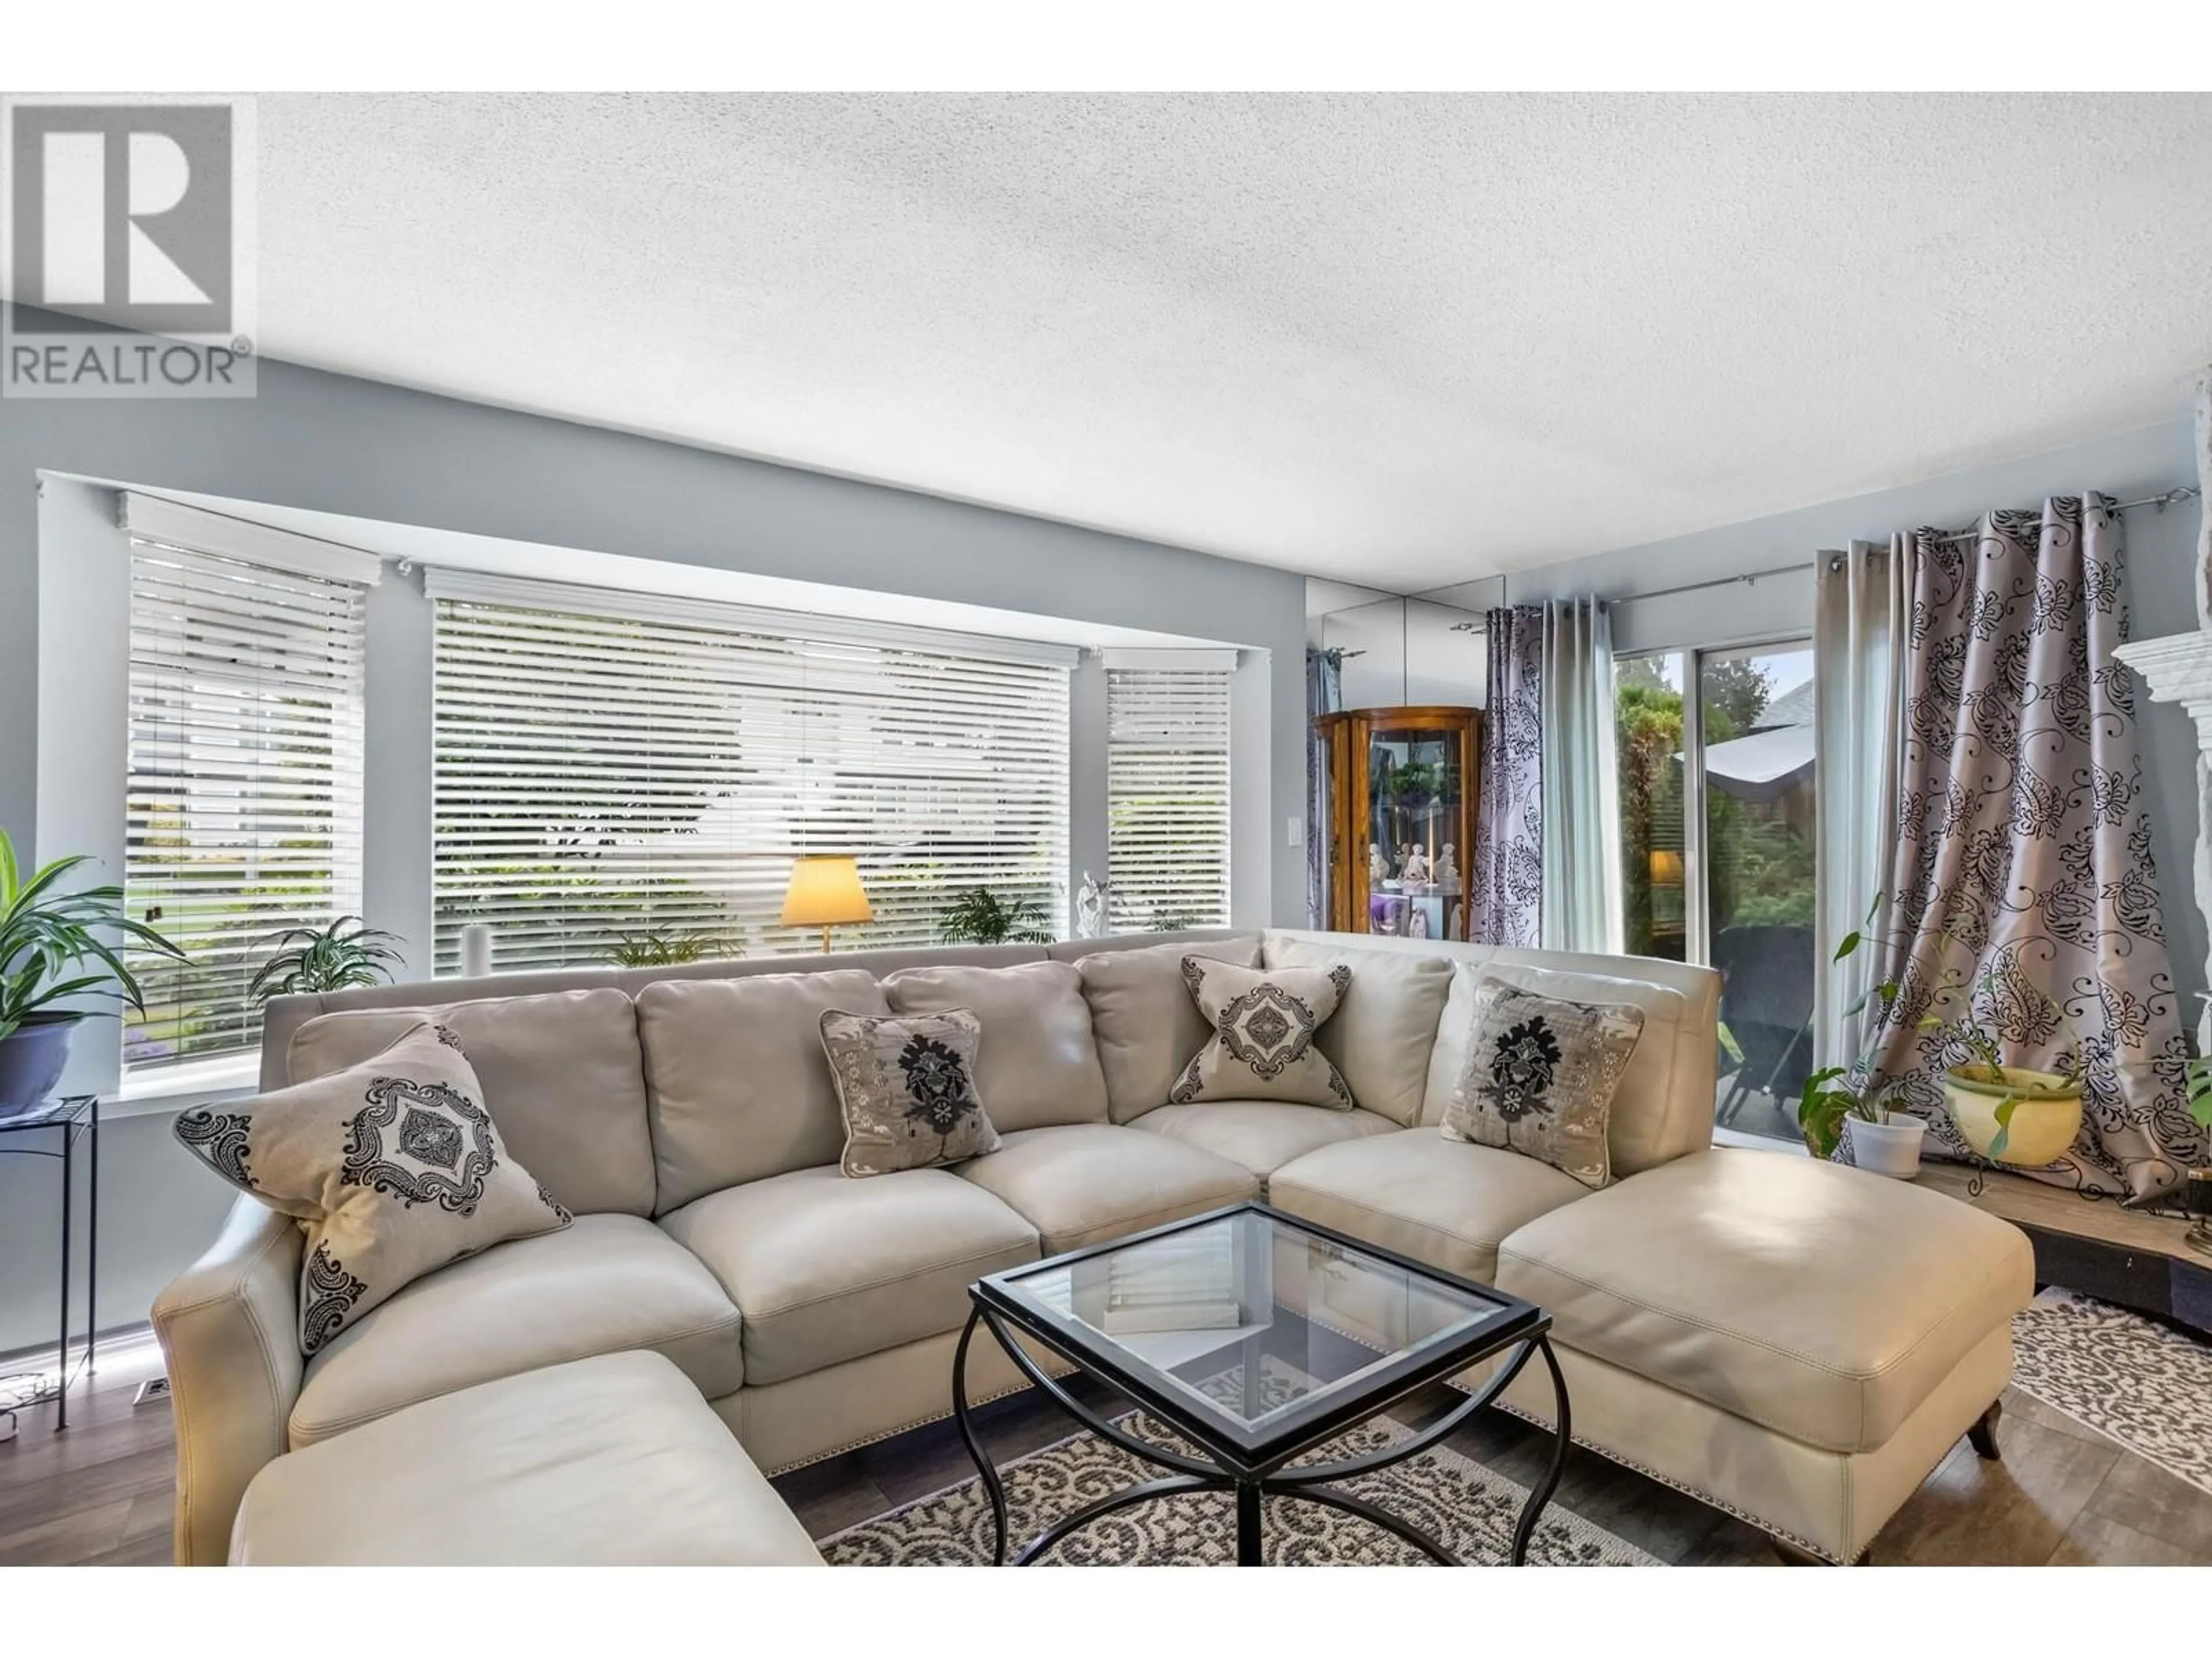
(67, 1119)
(1313, 1483)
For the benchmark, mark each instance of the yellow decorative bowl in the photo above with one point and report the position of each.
(2045, 1118)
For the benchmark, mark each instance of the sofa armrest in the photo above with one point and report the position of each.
(229, 1327)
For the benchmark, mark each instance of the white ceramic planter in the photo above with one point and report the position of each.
(476, 949)
(1891, 1147)
(2046, 1113)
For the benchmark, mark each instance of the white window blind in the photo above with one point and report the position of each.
(244, 798)
(1167, 797)
(609, 769)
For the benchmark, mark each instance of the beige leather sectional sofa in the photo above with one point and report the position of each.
(1796, 1342)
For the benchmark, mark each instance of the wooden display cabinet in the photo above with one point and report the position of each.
(1401, 794)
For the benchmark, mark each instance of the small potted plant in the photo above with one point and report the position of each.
(979, 916)
(1883, 1140)
(2012, 1113)
(55, 945)
(345, 954)
(2009, 1113)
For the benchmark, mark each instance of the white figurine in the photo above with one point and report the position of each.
(1090, 907)
(1416, 872)
(1378, 867)
(1447, 868)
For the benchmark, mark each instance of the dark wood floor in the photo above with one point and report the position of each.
(103, 1493)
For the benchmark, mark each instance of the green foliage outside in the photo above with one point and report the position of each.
(1759, 864)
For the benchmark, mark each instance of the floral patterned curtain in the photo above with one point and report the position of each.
(2024, 841)
(1324, 695)
(1506, 905)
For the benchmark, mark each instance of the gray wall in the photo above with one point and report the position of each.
(331, 443)
(2162, 552)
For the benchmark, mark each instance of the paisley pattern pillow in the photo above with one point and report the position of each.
(1264, 1021)
(906, 1083)
(394, 1165)
(1540, 1075)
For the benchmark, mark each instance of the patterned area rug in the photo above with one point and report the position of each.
(1455, 1499)
(2147, 1387)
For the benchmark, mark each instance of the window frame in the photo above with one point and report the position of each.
(1217, 670)
(202, 572)
(749, 666)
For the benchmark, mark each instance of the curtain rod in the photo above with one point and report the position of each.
(2179, 493)
(2169, 498)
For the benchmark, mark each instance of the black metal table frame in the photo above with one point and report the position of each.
(1252, 1478)
(81, 1120)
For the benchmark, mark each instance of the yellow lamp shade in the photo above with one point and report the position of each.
(825, 891)
(1666, 868)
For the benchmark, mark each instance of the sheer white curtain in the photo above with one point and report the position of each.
(1861, 606)
(1581, 818)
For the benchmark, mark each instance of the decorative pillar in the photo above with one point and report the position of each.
(2179, 669)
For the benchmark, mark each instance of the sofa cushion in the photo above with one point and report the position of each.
(1078, 1183)
(562, 1077)
(1265, 1020)
(1142, 1014)
(612, 1461)
(906, 1083)
(828, 1269)
(1039, 1062)
(1541, 1076)
(1383, 1030)
(605, 1284)
(1440, 1201)
(736, 1083)
(392, 1164)
(1821, 1302)
(1262, 1136)
(1654, 1118)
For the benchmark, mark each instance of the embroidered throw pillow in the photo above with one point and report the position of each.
(906, 1083)
(1540, 1075)
(394, 1163)
(1262, 1048)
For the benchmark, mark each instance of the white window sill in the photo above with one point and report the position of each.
(174, 1087)
(1723, 1137)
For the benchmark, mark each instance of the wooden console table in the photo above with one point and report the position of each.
(2122, 1256)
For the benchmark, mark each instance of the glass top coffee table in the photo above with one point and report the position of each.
(1258, 1338)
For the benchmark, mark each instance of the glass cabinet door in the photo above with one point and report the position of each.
(1415, 809)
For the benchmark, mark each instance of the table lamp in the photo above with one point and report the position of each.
(825, 891)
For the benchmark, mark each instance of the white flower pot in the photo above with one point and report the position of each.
(476, 949)
(1891, 1147)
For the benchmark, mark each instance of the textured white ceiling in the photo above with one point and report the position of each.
(1403, 341)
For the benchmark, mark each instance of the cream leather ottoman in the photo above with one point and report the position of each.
(615, 1460)
(1798, 1342)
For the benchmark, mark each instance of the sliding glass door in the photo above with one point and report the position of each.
(1716, 836)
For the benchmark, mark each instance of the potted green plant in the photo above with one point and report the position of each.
(2009, 1113)
(979, 916)
(338, 956)
(55, 945)
(1883, 1140)
(666, 947)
